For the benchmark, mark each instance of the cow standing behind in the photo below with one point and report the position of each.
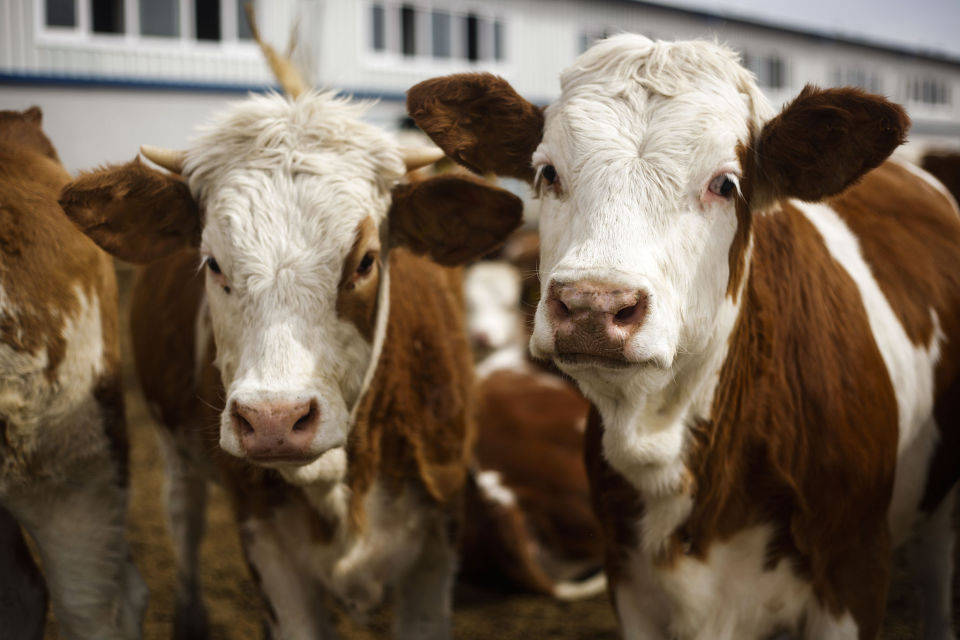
(766, 317)
(63, 450)
(284, 315)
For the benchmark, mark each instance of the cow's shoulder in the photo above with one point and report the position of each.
(170, 336)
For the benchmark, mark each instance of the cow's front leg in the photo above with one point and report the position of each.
(80, 531)
(23, 593)
(292, 597)
(931, 559)
(186, 500)
(424, 594)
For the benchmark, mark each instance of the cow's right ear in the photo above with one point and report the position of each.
(479, 121)
(133, 212)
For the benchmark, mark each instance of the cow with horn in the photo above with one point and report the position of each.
(298, 330)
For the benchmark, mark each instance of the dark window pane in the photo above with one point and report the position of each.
(377, 29)
(243, 25)
(207, 19)
(775, 73)
(473, 37)
(160, 17)
(107, 16)
(441, 34)
(61, 13)
(498, 52)
(408, 18)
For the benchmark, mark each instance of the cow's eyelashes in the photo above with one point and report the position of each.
(366, 263)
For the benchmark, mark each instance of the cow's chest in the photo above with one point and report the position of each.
(730, 593)
(355, 565)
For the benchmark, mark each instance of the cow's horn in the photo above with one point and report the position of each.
(169, 159)
(417, 157)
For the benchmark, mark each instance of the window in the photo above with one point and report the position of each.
(857, 77)
(771, 70)
(441, 34)
(930, 91)
(408, 26)
(498, 40)
(378, 28)
(160, 17)
(472, 37)
(61, 13)
(107, 16)
(207, 19)
(589, 38)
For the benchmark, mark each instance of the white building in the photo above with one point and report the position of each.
(111, 74)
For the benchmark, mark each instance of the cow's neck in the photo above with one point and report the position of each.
(646, 432)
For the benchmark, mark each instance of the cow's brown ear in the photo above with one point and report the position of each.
(479, 121)
(452, 219)
(825, 140)
(34, 115)
(136, 213)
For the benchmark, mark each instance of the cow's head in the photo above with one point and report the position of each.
(649, 168)
(293, 205)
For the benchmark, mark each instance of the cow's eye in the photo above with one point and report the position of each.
(723, 185)
(365, 264)
(213, 266)
(549, 173)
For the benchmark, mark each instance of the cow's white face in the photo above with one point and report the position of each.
(638, 174)
(293, 196)
(491, 291)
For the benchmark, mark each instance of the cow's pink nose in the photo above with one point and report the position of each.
(592, 318)
(276, 430)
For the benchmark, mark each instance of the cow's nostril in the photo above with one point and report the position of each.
(632, 314)
(306, 420)
(245, 427)
(559, 309)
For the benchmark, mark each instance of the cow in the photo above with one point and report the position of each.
(765, 316)
(944, 166)
(298, 330)
(530, 525)
(63, 451)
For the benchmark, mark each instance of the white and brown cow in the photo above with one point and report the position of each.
(286, 315)
(63, 451)
(766, 318)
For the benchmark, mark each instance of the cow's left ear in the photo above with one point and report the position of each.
(824, 141)
(452, 219)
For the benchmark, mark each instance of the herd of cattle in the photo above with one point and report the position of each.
(760, 309)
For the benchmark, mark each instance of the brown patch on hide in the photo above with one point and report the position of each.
(415, 424)
(909, 234)
(44, 260)
(357, 293)
(479, 121)
(134, 212)
(452, 219)
(824, 141)
(531, 434)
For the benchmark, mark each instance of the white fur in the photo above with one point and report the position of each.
(284, 186)
(492, 487)
(491, 291)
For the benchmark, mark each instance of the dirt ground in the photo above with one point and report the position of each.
(234, 607)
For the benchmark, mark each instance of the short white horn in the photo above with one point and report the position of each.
(418, 157)
(169, 159)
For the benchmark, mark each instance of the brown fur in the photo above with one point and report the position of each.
(945, 166)
(530, 433)
(453, 219)
(136, 213)
(479, 121)
(824, 140)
